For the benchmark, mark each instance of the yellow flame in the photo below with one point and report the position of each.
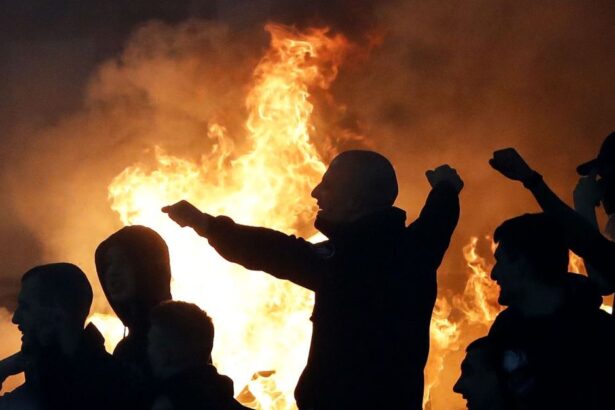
(479, 299)
(477, 307)
(262, 324)
(576, 264)
(444, 338)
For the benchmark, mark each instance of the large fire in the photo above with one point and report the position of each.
(262, 324)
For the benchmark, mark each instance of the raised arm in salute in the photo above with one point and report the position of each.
(582, 237)
(374, 279)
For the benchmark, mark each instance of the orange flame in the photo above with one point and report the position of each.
(477, 307)
(262, 324)
(479, 299)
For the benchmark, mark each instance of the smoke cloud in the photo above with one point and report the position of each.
(431, 82)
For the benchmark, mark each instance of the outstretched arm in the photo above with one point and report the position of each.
(583, 238)
(439, 215)
(283, 256)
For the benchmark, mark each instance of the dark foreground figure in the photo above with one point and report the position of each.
(553, 333)
(135, 274)
(580, 235)
(483, 381)
(181, 338)
(66, 365)
(374, 280)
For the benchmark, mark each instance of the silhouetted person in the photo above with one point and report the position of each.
(553, 318)
(181, 338)
(374, 279)
(135, 273)
(487, 377)
(66, 366)
(581, 237)
(595, 187)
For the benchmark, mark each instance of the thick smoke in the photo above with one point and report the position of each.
(434, 82)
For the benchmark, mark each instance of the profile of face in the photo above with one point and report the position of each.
(36, 321)
(119, 276)
(479, 383)
(335, 194)
(164, 351)
(511, 274)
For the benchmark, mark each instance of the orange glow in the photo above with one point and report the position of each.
(479, 300)
(262, 324)
(477, 307)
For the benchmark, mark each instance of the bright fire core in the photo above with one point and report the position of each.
(262, 324)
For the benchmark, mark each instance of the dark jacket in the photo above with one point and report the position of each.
(90, 379)
(568, 354)
(200, 388)
(375, 288)
(149, 257)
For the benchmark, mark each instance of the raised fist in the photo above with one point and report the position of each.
(184, 214)
(444, 173)
(509, 163)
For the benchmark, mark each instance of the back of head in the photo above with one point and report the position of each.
(539, 239)
(371, 174)
(63, 285)
(148, 255)
(191, 328)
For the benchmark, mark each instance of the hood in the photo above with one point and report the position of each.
(148, 256)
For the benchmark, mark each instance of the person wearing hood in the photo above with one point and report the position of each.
(374, 279)
(180, 342)
(582, 237)
(135, 274)
(65, 364)
(553, 321)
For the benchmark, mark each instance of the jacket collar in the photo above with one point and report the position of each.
(375, 225)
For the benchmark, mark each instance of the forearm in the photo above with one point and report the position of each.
(436, 223)
(576, 228)
(255, 248)
(583, 238)
(441, 210)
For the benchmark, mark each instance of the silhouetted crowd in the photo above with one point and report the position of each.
(375, 285)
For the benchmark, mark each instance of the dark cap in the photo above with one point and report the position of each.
(605, 156)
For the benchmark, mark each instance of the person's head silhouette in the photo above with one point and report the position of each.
(54, 301)
(482, 383)
(135, 273)
(531, 255)
(357, 183)
(181, 337)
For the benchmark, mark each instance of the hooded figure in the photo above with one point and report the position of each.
(135, 274)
